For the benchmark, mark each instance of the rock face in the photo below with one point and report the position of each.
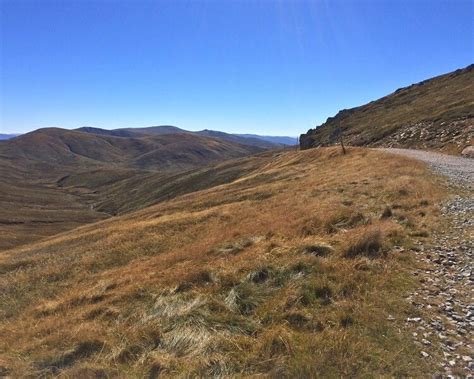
(468, 152)
(434, 114)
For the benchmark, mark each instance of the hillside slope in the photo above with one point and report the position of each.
(291, 270)
(56, 147)
(264, 142)
(54, 179)
(434, 114)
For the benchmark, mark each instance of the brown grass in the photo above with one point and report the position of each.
(224, 282)
(443, 105)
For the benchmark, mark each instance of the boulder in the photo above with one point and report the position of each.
(468, 152)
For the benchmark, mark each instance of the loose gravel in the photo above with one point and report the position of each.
(458, 170)
(446, 289)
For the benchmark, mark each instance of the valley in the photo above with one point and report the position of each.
(159, 252)
(308, 252)
(55, 179)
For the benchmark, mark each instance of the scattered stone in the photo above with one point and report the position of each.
(446, 274)
(468, 152)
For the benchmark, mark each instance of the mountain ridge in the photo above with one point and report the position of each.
(56, 179)
(436, 113)
(263, 141)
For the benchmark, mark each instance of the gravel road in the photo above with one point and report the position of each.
(458, 169)
(445, 332)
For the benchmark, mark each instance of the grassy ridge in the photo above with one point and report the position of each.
(54, 180)
(55, 148)
(290, 270)
(443, 106)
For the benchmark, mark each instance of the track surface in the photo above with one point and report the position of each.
(445, 332)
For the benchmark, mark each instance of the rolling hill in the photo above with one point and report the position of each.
(437, 113)
(134, 132)
(265, 142)
(60, 147)
(287, 266)
(160, 252)
(55, 179)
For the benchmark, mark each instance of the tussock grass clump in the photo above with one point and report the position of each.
(369, 244)
(195, 279)
(297, 319)
(174, 305)
(245, 298)
(301, 267)
(276, 343)
(312, 226)
(316, 293)
(106, 313)
(155, 370)
(387, 213)
(145, 338)
(260, 275)
(334, 221)
(345, 219)
(346, 321)
(82, 350)
(184, 340)
(318, 250)
(235, 247)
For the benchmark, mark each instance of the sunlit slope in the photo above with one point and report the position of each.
(54, 179)
(55, 148)
(32, 208)
(437, 113)
(289, 270)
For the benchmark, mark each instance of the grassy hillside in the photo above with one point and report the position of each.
(291, 270)
(130, 190)
(437, 113)
(263, 142)
(59, 147)
(54, 180)
(133, 132)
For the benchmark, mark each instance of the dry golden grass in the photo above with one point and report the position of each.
(445, 103)
(288, 271)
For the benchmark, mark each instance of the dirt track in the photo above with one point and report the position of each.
(458, 169)
(446, 333)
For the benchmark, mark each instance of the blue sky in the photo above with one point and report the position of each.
(268, 67)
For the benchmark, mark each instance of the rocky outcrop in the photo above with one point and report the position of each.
(434, 114)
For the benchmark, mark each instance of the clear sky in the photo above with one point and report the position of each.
(261, 66)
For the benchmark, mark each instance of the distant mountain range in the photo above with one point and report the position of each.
(246, 139)
(155, 149)
(92, 173)
(7, 136)
(266, 142)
